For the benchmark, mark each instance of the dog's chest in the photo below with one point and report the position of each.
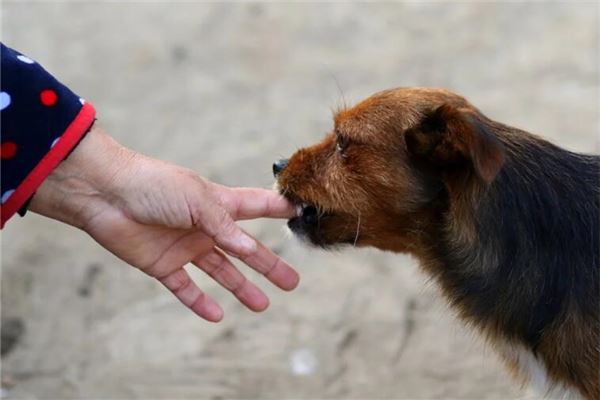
(535, 374)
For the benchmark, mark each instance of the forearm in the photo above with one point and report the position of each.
(83, 182)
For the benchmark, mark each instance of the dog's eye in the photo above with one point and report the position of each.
(341, 144)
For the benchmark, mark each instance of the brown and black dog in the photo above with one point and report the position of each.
(507, 223)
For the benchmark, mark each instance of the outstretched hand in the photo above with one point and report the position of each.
(159, 217)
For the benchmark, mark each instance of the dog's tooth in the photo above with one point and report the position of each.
(299, 209)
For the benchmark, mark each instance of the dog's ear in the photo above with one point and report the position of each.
(453, 137)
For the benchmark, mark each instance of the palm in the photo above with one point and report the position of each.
(137, 244)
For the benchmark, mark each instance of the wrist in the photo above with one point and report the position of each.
(84, 182)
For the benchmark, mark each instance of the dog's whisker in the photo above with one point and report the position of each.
(321, 211)
(357, 231)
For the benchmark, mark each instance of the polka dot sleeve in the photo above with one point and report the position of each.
(41, 122)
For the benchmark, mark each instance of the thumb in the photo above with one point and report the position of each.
(227, 235)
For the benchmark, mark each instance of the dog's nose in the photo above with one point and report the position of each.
(279, 165)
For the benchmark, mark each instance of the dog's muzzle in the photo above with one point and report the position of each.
(307, 215)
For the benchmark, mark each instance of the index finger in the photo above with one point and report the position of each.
(249, 203)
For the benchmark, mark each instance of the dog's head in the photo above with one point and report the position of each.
(389, 161)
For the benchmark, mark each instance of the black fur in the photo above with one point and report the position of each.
(538, 233)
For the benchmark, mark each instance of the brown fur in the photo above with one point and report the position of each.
(423, 171)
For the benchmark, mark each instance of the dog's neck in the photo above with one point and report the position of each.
(500, 253)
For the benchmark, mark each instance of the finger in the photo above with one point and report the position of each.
(273, 267)
(215, 221)
(218, 266)
(184, 288)
(249, 203)
(180, 251)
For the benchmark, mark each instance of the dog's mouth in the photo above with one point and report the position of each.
(307, 221)
(307, 212)
(308, 217)
(320, 226)
(313, 223)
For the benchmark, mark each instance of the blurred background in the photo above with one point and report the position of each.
(225, 89)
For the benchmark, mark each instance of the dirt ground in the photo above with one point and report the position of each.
(226, 89)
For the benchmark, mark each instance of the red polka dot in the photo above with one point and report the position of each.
(48, 97)
(8, 150)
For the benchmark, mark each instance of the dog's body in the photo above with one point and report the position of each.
(507, 223)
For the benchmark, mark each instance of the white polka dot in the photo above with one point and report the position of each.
(6, 195)
(82, 101)
(4, 100)
(54, 142)
(26, 60)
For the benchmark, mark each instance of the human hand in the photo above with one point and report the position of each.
(158, 217)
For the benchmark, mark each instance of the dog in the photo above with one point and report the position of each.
(505, 222)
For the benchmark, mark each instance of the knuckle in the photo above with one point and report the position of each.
(227, 228)
(238, 287)
(276, 264)
(184, 283)
(219, 267)
(210, 261)
(198, 301)
(176, 281)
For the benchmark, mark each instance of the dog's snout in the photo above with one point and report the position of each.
(279, 166)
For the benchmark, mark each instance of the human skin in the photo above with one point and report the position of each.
(158, 217)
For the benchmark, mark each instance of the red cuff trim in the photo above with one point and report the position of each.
(68, 140)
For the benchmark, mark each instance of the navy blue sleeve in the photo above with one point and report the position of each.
(41, 122)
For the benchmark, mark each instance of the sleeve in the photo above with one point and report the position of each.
(41, 123)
